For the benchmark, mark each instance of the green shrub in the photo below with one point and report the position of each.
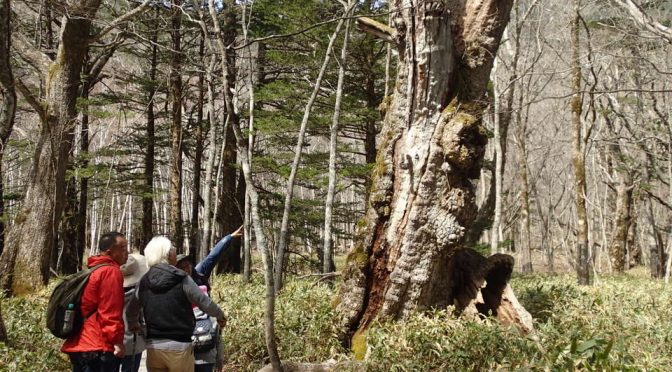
(31, 346)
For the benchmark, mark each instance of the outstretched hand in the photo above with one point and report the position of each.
(238, 233)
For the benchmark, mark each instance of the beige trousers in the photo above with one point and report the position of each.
(170, 361)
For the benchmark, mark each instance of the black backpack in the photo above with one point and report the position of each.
(205, 334)
(64, 316)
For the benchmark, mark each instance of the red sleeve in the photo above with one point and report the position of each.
(111, 305)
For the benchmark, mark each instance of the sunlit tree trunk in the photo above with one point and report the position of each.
(328, 247)
(578, 156)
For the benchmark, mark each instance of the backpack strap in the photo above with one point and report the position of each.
(92, 269)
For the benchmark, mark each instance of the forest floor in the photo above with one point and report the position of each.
(620, 323)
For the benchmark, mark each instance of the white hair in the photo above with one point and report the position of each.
(157, 250)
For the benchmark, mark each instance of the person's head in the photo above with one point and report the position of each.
(184, 264)
(160, 250)
(114, 244)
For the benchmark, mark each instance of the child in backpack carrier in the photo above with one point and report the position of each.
(208, 348)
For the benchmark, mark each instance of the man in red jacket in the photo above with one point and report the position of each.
(99, 344)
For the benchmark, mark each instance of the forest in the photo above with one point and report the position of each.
(424, 185)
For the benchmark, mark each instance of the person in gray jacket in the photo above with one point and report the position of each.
(134, 342)
(166, 294)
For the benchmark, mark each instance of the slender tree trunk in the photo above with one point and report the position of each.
(619, 235)
(3, 330)
(298, 149)
(196, 232)
(327, 250)
(432, 146)
(25, 266)
(578, 156)
(80, 220)
(526, 249)
(7, 105)
(148, 173)
(176, 226)
(269, 311)
(211, 151)
(655, 242)
(247, 246)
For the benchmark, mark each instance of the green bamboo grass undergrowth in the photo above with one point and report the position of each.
(621, 323)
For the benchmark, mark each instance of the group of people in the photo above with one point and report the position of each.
(135, 303)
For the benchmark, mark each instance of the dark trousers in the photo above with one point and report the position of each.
(94, 361)
(204, 367)
(131, 363)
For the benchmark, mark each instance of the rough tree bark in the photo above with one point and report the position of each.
(175, 82)
(432, 145)
(7, 103)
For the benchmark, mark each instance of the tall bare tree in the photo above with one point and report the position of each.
(327, 250)
(298, 150)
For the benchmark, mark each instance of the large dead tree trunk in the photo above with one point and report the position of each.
(432, 145)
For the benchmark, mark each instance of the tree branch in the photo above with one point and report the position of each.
(640, 17)
(119, 20)
(30, 98)
(30, 54)
(377, 29)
